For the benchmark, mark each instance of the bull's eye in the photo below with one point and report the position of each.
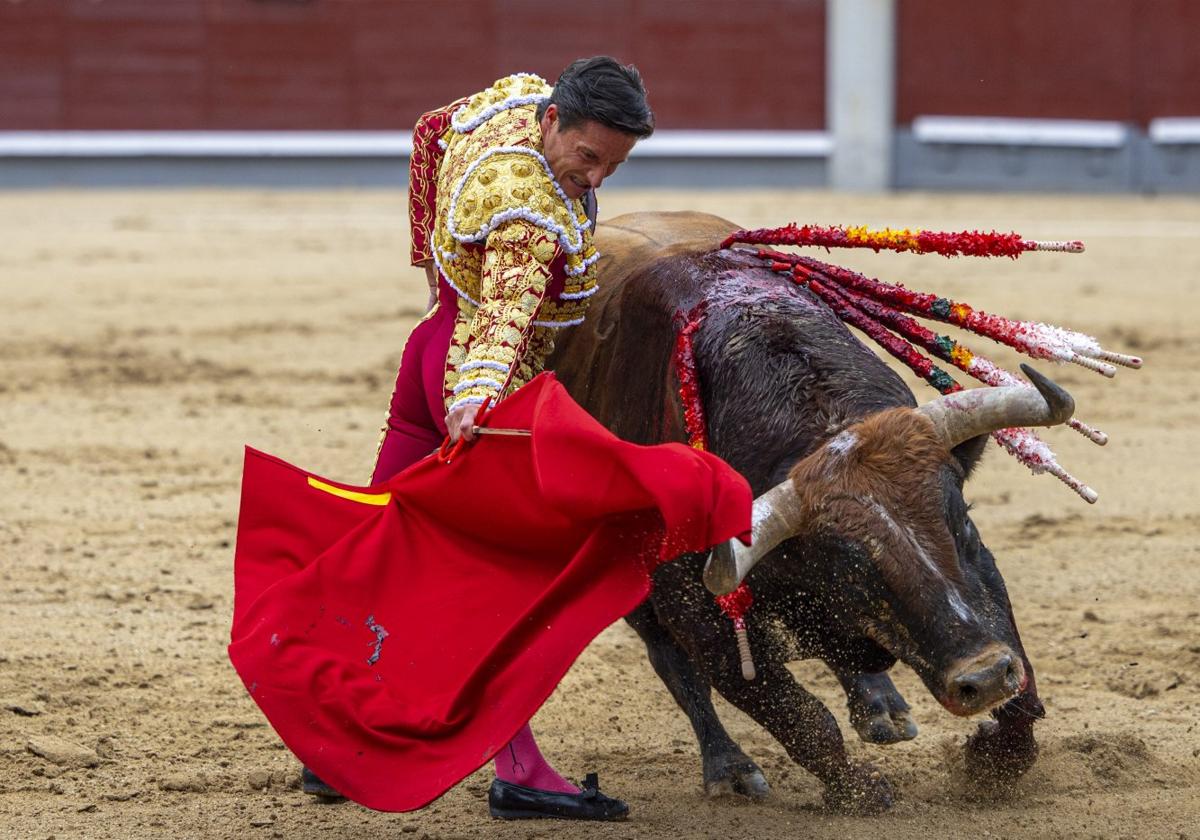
(970, 535)
(965, 535)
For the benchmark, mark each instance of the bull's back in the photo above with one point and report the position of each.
(775, 363)
(617, 364)
(647, 236)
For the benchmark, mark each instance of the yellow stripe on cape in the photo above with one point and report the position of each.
(352, 495)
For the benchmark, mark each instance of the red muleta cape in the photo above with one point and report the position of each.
(397, 636)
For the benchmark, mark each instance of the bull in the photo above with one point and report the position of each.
(864, 553)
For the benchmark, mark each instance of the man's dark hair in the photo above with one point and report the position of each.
(604, 90)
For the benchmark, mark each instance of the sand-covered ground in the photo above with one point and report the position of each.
(145, 337)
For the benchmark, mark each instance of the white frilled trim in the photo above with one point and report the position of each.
(482, 364)
(446, 276)
(584, 264)
(463, 126)
(474, 383)
(442, 144)
(586, 293)
(564, 236)
(457, 404)
(554, 325)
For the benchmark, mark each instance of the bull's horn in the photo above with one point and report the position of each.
(966, 414)
(776, 517)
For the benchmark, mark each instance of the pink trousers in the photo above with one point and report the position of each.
(416, 426)
(416, 423)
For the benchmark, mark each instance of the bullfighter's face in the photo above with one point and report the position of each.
(582, 156)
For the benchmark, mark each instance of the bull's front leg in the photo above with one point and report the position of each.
(1003, 749)
(798, 720)
(807, 730)
(878, 712)
(726, 768)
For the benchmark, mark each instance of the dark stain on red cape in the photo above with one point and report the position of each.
(398, 638)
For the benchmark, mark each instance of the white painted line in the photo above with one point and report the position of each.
(207, 144)
(1004, 131)
(1175, 130)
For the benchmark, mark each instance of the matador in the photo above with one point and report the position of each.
(502, 208)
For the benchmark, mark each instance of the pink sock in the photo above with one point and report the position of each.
(521, 763)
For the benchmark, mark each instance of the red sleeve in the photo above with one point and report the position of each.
(422, 177)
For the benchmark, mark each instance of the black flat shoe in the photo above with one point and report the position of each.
(312, 784)
(507, 801)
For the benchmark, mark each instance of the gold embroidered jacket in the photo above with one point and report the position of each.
(486, 208)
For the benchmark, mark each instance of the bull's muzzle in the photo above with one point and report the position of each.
(984, 681)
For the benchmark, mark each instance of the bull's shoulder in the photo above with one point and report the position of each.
(657, 234)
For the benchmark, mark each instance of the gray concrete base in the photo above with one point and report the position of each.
(388, 172)
(1135, 163)
(272, 172)
(982, 166)
(1048, 155)
(721, 173)
(1171, 168)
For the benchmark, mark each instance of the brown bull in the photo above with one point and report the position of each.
(864, 551)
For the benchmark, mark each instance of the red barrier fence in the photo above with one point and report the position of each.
(377, 64)
(1123, 60)
(750, 64)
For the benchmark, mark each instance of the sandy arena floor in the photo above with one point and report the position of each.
(145, 337)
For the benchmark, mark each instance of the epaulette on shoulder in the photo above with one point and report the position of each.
(513, 182)
(509, 92)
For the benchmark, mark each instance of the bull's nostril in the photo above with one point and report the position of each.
(985, 681)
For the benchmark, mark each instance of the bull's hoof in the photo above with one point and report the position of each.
(863, 791)
(888, 726)
(738, 776)
(878, 712)
(998, 753)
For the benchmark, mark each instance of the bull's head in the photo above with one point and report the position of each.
(888, 491)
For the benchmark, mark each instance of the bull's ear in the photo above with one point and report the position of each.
(969, 452)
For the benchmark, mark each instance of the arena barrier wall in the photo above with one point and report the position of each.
(700, 159)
